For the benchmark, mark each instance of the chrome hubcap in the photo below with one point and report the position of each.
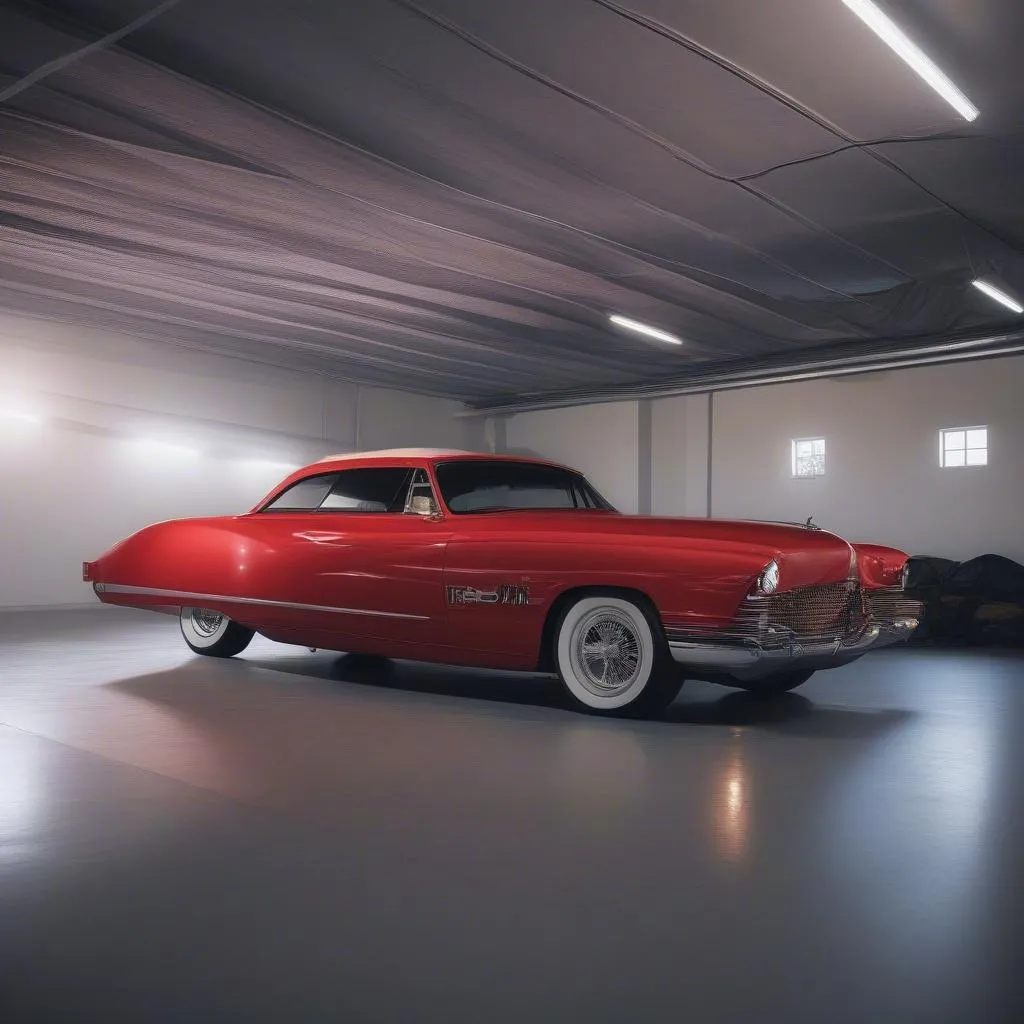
(206, 623)
(607, 652)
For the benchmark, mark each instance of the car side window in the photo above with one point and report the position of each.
(304, 496)
(382, 489)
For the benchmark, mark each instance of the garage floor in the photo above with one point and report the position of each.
(279, 838)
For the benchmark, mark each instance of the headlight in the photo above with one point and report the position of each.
(768, 581)
(905, 576)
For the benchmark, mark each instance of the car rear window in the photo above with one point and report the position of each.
(382, 489)
(304, 496)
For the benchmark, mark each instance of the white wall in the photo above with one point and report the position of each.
(75, 483)
(883, 480)
(390, 420)
(679, 446)
(599, 440)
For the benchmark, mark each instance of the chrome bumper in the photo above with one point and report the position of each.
(750, 661)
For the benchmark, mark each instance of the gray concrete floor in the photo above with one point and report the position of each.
(282, 838)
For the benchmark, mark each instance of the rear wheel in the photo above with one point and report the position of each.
(612, 657)
(215, 635)
(781, 682)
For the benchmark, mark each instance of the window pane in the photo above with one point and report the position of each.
(804, 448)
(977, 438)
(977, 457)
(819, 446)
(954, 459)
(304, 495)
(368, 490)
(480, 485)
(813, 465)
(954, 439)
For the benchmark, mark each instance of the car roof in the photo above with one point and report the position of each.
(405, 456)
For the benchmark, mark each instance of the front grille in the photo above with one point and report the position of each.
(830, 613)
(811, 612)
(891, 603)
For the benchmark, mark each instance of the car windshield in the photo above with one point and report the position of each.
(480, 485)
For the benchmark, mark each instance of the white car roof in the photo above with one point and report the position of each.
(399, 453)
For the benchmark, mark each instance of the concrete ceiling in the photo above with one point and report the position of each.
(450, 196)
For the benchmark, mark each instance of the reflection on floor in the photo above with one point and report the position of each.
(305, 837)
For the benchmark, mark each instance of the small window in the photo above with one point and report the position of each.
(368, 490)
(963, 446)
(809, 457)
(304, 496)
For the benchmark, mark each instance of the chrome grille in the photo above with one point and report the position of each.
(830, 613)
(811, 612)
(890, 603)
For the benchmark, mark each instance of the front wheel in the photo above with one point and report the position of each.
(215, 635)
(612, 658)
(780, 682)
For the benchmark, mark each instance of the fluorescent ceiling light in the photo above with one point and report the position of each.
(651, 332)
(166, 448)
(890, 33)
(994, 293)
(24, 417)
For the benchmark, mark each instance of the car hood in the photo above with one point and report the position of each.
(779, 535)
(715, 547)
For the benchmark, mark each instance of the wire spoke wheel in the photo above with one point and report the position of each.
(213, 633)
(607, 652)
(205, 622)
(612, 658)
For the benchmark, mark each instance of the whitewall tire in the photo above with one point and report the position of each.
(612, 658)
(215, 635)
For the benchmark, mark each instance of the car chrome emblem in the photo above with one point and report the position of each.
(506, 594)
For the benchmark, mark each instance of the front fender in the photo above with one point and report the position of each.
(879, 566)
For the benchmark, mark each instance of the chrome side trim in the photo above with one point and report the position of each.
(120, 588)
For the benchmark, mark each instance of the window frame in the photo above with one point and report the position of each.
(966, 431)
(794, 457)
(406, 489)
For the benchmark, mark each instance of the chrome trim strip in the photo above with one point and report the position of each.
(119, 588)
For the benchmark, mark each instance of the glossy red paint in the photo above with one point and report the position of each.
(395, 584)
(879, 566)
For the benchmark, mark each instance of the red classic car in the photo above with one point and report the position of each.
(513, 563)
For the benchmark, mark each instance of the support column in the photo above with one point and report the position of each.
(644, 457)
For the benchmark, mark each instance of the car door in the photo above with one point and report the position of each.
(356, 552)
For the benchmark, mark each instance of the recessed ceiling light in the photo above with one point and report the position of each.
(893, 36)
(651, 332)
(994, 293)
